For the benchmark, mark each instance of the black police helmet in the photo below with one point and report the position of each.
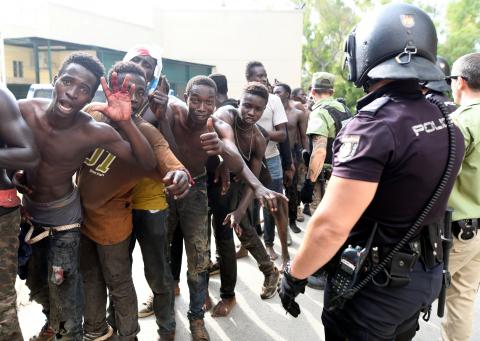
(397, 41)
(441, 85)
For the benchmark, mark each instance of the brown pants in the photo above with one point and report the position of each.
(9, 227)
(102, 267)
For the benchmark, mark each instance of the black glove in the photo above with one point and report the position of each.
(306, 193)
(288, 289)
(306, 157)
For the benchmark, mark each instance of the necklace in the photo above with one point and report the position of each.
(235, 126)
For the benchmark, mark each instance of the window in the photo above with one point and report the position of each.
(17, 69)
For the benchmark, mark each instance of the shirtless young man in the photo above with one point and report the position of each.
(18, 152)
(65, 136)
(278, 159)
(197, 137)
(296, 128)
(234, 209)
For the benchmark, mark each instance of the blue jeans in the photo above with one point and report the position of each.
(274, 166)
(54, 281)
(150, 229)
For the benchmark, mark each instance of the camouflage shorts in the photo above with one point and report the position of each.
(9, 227)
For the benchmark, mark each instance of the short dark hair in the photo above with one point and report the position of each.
(256, 88)
(468, 66)
(89, 62)
(252, 64)
(200, 80)
(122, 68)
(285, 87)
(296, 91)
(221, 82)
(322, 91)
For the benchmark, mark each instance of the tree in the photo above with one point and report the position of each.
(326, 24)
(463, 29)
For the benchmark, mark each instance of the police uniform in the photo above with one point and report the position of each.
(384, 143)
(400, 141)
(465, 255)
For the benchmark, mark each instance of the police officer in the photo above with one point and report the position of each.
(380, 184)
(465, 255)
(440, 89)
(324, 123)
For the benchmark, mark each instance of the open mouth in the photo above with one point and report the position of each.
(64, 106)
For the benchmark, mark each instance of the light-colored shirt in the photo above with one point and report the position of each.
(273, 115)
(465, 197)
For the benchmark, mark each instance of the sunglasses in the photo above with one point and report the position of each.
(448, 79)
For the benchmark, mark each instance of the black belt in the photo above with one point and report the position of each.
(465, 229)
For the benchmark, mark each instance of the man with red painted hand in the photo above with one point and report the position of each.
(65, 136)
(197, 136)
(106, 187)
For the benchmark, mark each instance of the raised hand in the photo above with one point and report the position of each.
(159, 98)
(118, 106)
(210, 141)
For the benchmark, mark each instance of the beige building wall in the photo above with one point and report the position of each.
(229, 40)
(224, 38)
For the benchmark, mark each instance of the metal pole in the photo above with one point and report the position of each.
(49, 61)
(3, 75)
(37, 62)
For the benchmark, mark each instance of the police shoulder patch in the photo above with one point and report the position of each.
(375, 105)
(348, 148)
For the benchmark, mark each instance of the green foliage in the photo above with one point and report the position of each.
(328, 22)
(463, 29)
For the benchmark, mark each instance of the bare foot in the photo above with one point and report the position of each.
(271, 252)
(241, 252)
(177, 289)
(285, 259)
(208, 302)
(224, 307)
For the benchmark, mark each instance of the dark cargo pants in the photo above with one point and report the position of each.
(149, 228)
(190, 215)
(108, 266)
(384, 313)
(221, 206)
(9, 227)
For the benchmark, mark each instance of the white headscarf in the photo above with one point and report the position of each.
(147, 50)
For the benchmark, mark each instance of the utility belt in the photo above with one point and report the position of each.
(465, 229)
(427, 247)
(351, 265)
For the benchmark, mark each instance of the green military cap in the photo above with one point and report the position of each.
(323, 80)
